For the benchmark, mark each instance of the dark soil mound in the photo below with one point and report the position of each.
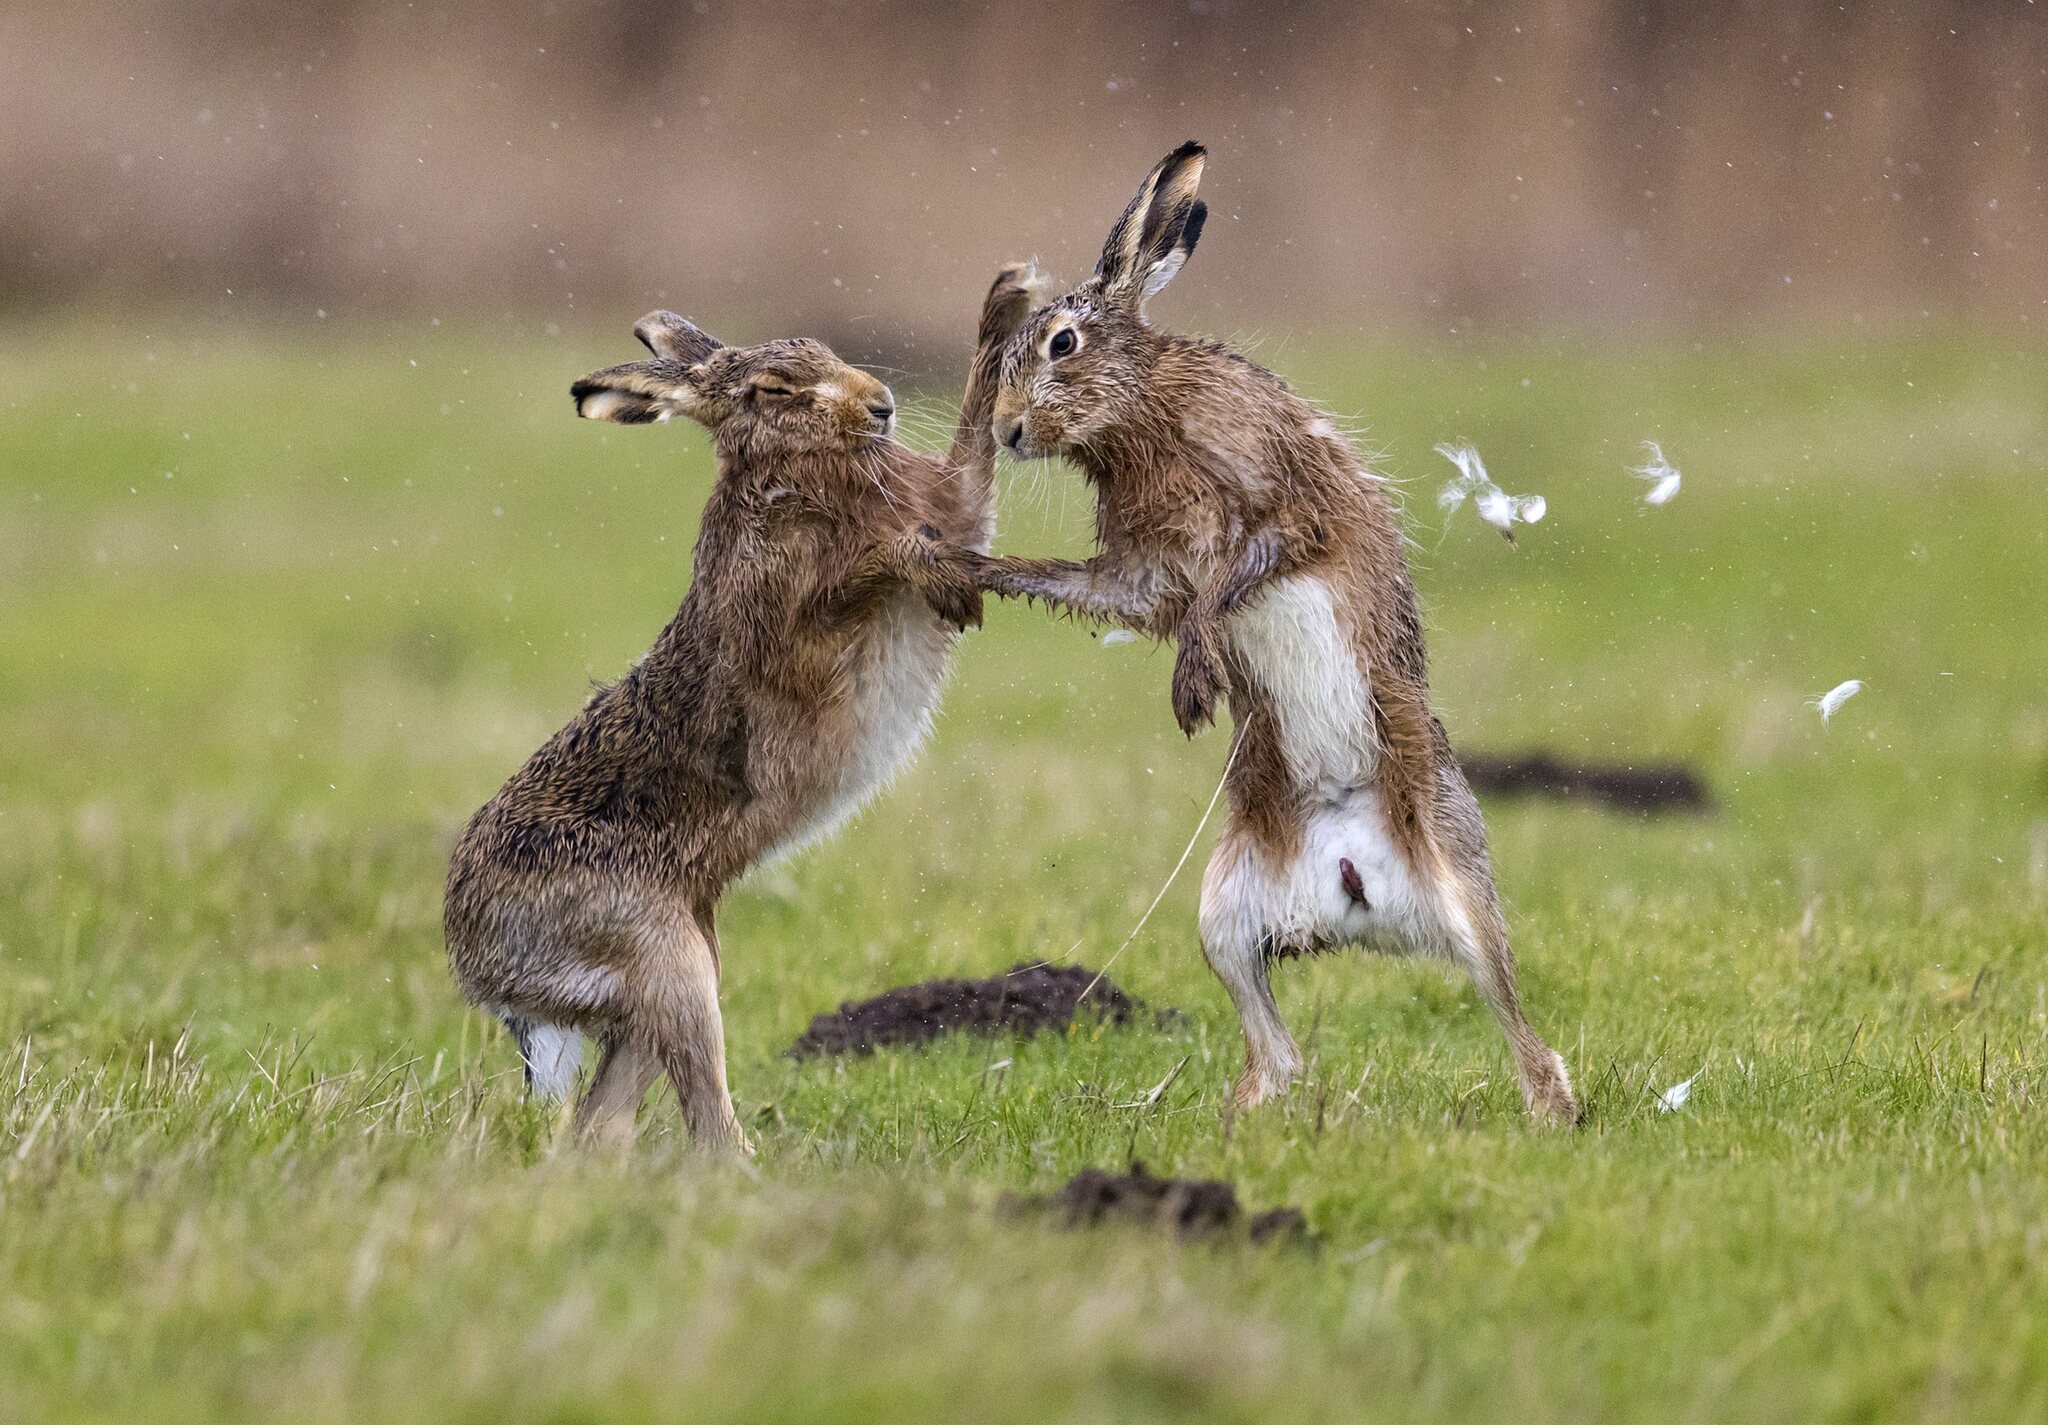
(1031, 997)
(1650, 788)
(1191, 1208)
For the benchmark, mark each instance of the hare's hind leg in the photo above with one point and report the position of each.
(1469, 910)
(677, 1017)
(610, 1106)
(1236, 916)
(1483, 950)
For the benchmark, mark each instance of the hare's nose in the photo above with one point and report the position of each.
(881, 411)
(1010, 431)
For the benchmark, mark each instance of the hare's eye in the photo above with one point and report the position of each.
(1062, 344)
(762, 388)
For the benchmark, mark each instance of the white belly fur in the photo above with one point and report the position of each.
(1306, 662)
(898, 672)
(1304, 659)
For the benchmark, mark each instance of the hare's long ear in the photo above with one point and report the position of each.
(675, 338)
(641, 392)
(636, 394)
(1153, 238)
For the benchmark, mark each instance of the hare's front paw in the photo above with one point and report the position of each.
(955, 600)
(949, 577)
(1197, 684)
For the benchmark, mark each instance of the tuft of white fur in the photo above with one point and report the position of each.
(1663, 476)
(1830, 702)
(1118, 635)
(1494, 505)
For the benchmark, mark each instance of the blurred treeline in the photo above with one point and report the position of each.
(856, 170)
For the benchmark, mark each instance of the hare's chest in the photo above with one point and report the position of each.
(893, 673)
(897, 673)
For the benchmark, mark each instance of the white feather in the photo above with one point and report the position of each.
(1118, 635)
(1662, 474)
(1495, 506)
(1496, 509)
(1673, 1098)
(1830, 702)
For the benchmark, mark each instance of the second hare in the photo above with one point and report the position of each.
(834, 571)
(1234, 517)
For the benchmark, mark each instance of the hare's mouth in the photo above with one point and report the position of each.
(1017, 437)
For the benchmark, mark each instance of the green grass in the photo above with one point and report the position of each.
(276, 615)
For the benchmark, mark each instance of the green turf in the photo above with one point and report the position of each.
(276, 615)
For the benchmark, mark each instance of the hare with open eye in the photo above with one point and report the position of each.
(1232, 516)
(833, 575)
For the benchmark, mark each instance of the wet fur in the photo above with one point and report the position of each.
(832, 576)
(1232, 517)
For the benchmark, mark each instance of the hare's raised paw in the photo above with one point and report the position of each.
(1014, 279)
(1197, 685)
(1010, 297)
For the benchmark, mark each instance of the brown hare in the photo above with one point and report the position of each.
(832, 578)
(1232, 516)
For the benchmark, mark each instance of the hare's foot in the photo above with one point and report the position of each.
(1265, 1079)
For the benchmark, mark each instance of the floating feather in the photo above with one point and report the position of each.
(1662, 474)
(1830, 702)
(1497, 509)
(1673, 1098)
(1495, 506)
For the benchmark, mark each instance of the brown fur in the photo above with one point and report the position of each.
(1214, 480)
(833, 573)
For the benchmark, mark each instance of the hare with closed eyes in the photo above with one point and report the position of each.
(833, 576)
(1232, 516)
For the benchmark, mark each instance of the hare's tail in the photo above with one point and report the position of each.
(553, 1055)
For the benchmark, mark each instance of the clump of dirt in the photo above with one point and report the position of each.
(1032, 996)
(1190, 1208)
(1652, 787)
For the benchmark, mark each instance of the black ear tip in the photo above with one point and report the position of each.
(1191, 231)
(1191, 149)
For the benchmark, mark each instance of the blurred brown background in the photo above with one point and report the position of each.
(855, 171)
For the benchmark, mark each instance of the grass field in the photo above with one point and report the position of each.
(278, 614)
